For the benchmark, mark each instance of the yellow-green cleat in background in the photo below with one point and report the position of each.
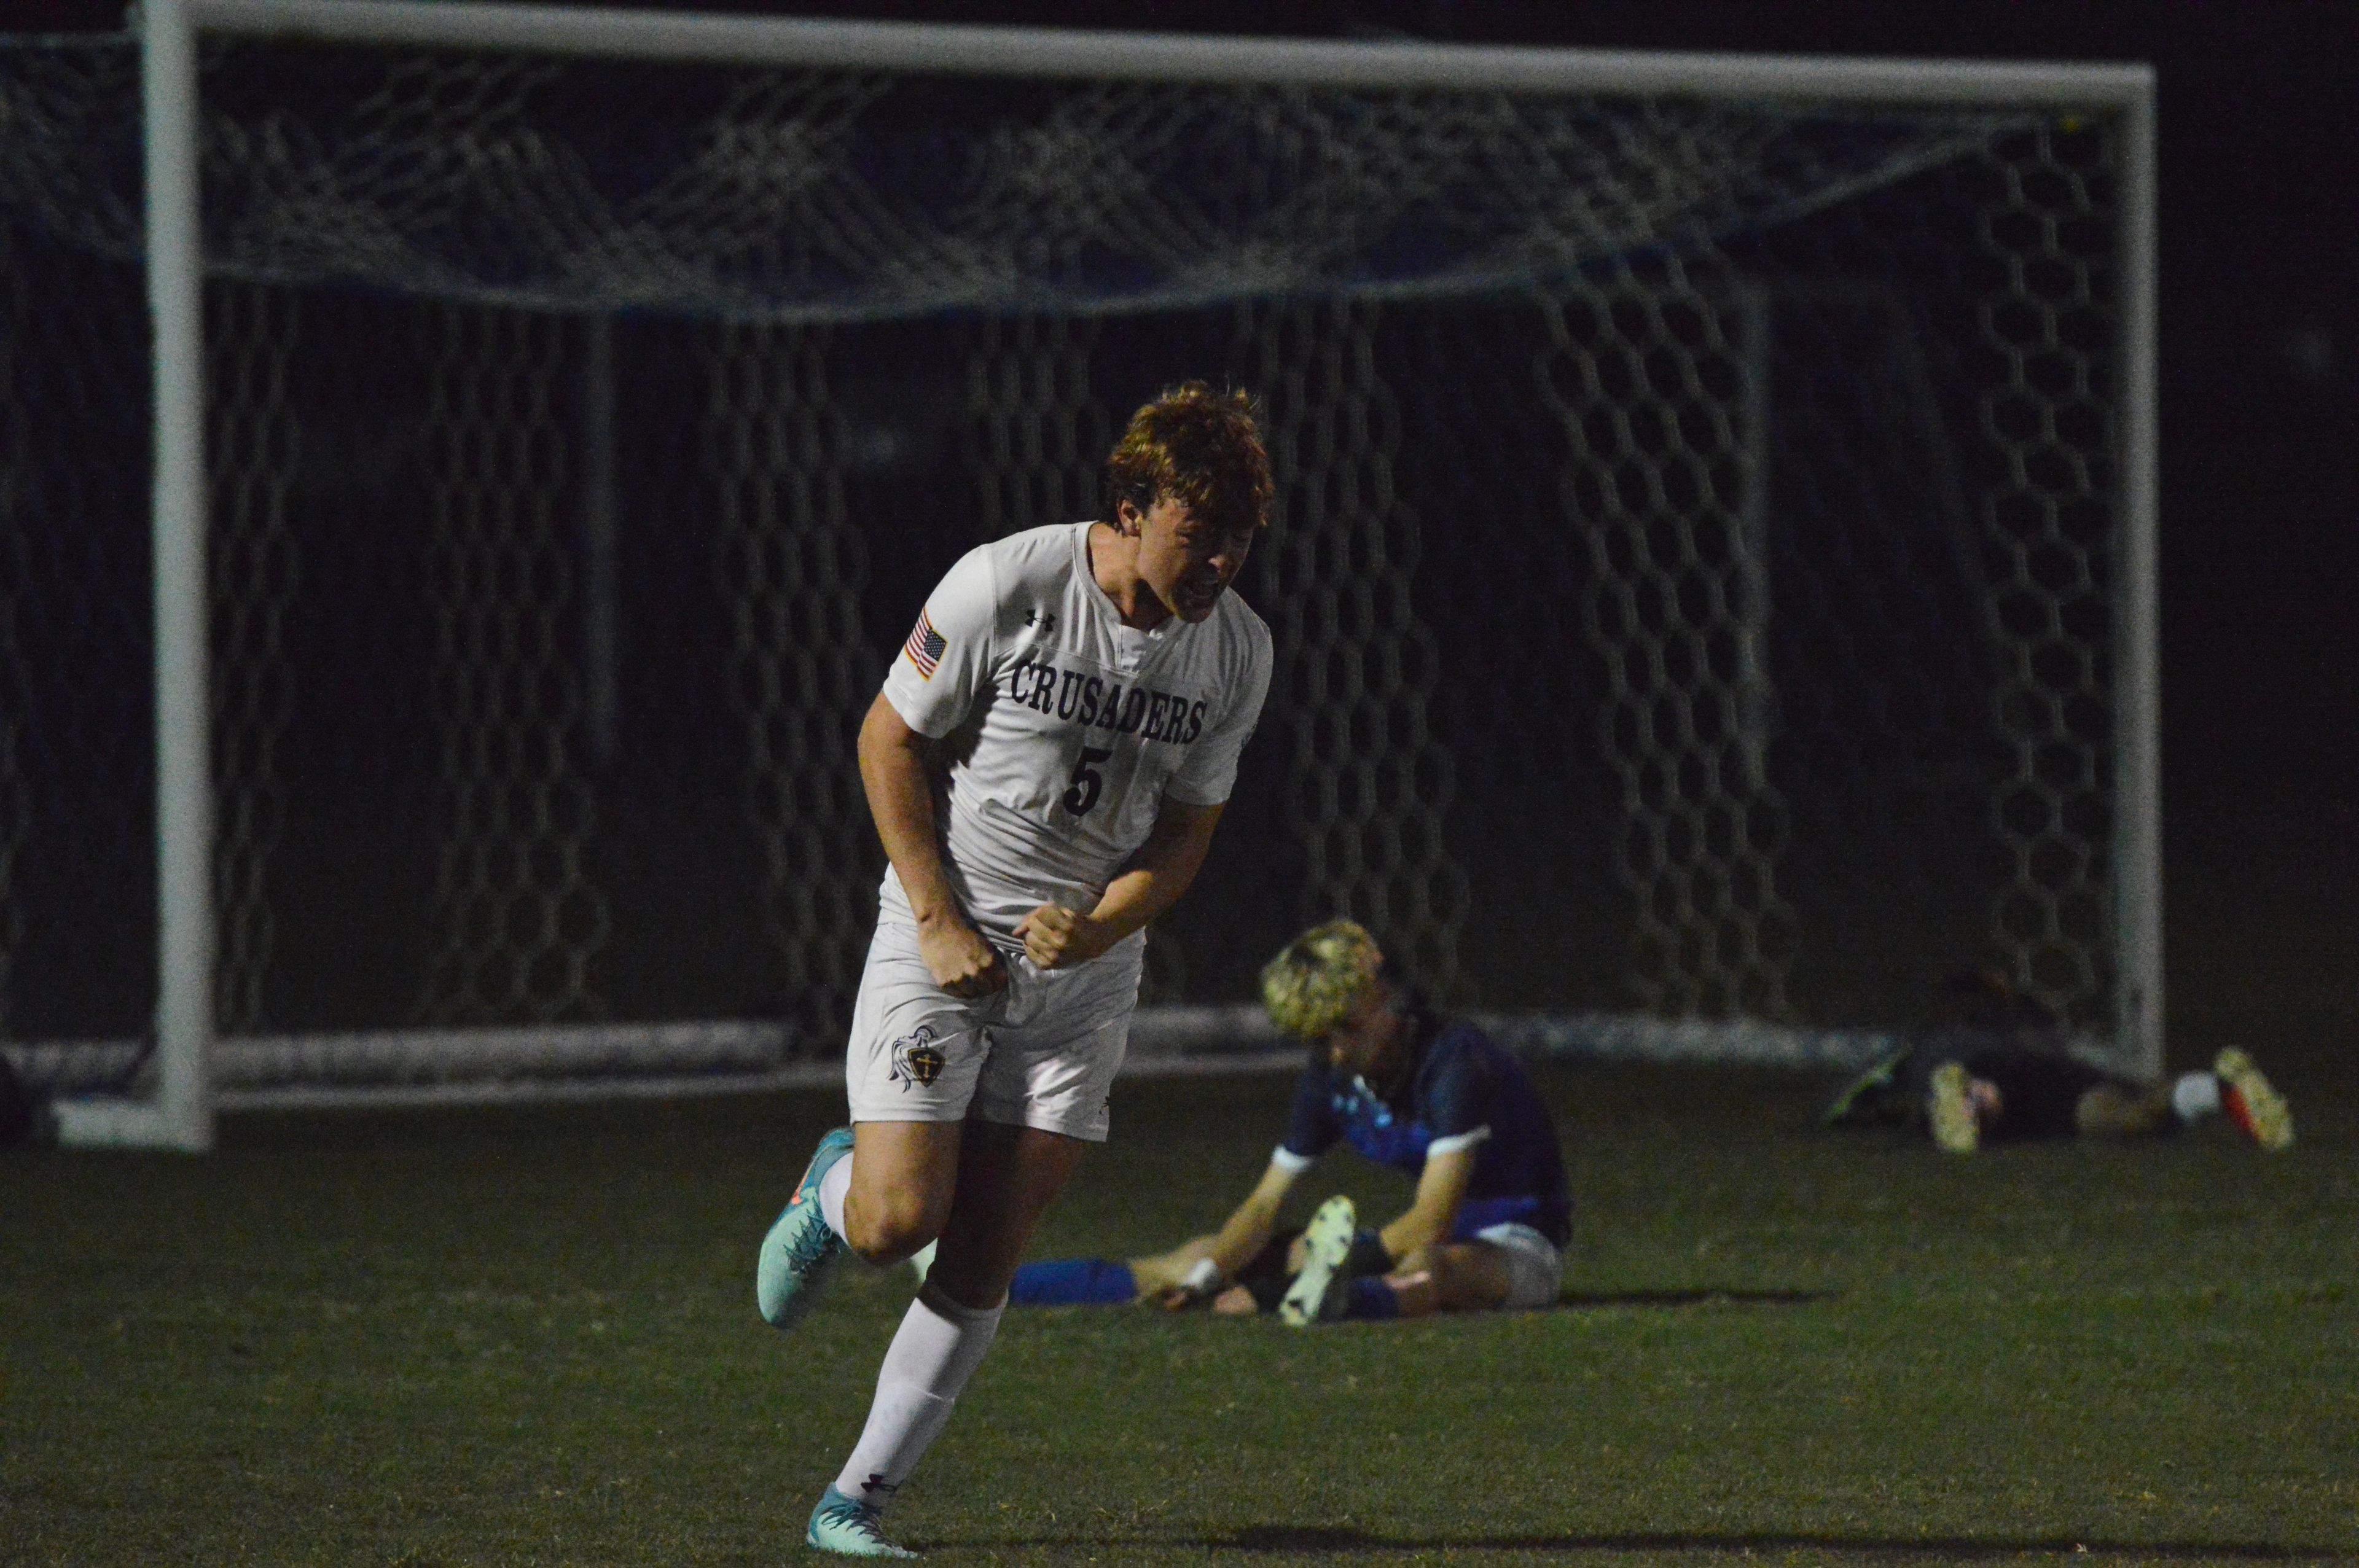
(2253, 1102)
(1949, 1105)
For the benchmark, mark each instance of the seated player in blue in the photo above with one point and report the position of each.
(1434, 1099)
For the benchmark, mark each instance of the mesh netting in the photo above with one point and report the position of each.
(1694, 583)
(792, 565)
(849, 195)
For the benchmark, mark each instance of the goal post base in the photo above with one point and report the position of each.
(576, 1063)
(119, 1123)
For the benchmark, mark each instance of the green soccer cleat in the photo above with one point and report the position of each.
(2252, 1102)
(1950, 1108)
(800, 1251)
(851, 1528)
(1320, 1291)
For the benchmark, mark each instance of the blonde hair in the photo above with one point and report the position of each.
(1315, 978)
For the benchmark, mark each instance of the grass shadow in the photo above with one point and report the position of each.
(1282, 1539)
(1704, 1295)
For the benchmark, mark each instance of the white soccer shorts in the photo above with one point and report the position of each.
(1042, 1052)
(1535, 1267)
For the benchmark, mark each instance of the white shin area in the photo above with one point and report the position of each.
(832, 1188)
(936, 1349)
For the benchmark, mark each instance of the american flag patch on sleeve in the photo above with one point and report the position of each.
(925, 646)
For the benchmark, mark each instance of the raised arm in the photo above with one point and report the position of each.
(1149, 882)
(895, 763)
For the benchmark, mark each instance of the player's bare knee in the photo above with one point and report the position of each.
(1469, 1277)
(874, 1244)
(885, 1247)
(888, 1230)
(1453, 1280)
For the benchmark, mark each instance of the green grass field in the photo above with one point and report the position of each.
(498, 1337)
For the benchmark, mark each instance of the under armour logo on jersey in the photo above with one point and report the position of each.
(1042, 619)
(917, 1060)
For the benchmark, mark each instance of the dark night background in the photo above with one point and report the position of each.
(2259, 168)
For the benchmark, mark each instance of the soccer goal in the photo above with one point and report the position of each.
(464, 467)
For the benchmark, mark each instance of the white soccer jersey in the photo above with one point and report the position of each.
(1066, 730)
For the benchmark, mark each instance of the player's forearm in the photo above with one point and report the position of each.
(894, 773)
(1440, 1191)
(1246, 1232)
(1156, 876)
(1412, 1232)
(1133, 900)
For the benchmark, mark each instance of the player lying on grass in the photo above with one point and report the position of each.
(1999, 1074)
(1432, 1098)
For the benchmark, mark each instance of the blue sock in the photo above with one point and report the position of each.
(1073, 1281)
(1371, 1297)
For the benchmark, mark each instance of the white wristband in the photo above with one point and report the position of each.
(1202, 1277)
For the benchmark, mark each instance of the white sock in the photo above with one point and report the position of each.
(2195, 1095)
(832, 1188)
(938, 1348)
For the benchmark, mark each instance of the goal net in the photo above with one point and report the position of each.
(1712, 592)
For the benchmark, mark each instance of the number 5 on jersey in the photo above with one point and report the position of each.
(1082, 789)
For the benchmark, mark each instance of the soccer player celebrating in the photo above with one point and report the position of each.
(1437, 1099)
(1045, 765)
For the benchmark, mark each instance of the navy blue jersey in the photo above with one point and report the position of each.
(1465, 1091)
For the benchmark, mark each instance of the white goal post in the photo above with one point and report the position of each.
(1815, 418)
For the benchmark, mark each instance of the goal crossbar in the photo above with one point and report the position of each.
(986, 50)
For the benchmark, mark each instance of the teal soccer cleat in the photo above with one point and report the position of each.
(1320, 1290)
(800, 1250)
(840, 1524)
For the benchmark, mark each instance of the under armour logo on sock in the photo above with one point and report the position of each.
(877, 1486)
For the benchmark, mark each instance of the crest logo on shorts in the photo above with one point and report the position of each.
(917, 1060)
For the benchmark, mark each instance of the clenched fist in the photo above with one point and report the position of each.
(961, 961)
(1057, 938)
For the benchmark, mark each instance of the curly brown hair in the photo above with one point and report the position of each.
(1201, 448)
